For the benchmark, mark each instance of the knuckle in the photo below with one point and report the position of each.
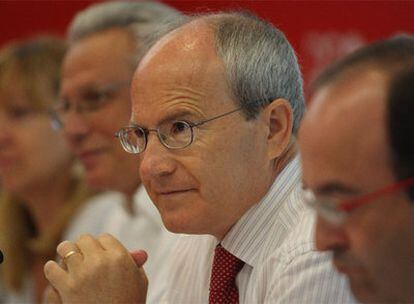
(88, 275)
(97, 265)
(105, 237)
(84, 237)
(47, 268)
(118, 256)
(63, 246)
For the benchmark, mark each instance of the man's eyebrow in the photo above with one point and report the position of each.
(335, 188)
(179, 114)
(84, 88)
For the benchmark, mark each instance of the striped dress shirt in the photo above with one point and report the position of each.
(275, 240)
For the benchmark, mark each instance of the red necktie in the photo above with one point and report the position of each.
(223, 287)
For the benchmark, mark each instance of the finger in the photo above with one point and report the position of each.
(70, 254)
(62, 265)
(55, 274)
(89, 245)
(139, 257)
(143, 279)
(108, 242)
(51, 296)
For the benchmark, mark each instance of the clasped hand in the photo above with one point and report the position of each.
(96, 270)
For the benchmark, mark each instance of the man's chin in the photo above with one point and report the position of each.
(172, 225)
(176, 223)
(184, 226)
(97, 182)
(365, 293)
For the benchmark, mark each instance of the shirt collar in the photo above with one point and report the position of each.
(246, 238)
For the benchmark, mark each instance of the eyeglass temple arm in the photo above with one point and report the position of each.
(349, 205)
(216, 117)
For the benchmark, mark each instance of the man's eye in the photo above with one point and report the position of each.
(94, 99)
(179, 127)
(92, 95)
(63, 106)
(139, 133)
(19, 113)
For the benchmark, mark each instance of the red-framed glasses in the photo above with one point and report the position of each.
(335, 211)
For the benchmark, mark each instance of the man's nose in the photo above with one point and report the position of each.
(156, 160)
(329, 236)
(74, 125)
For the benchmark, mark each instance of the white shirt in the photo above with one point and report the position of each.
(142, 230)
(275, 240)
(93, 216)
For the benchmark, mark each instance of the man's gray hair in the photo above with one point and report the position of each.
(260, 63)
(142, 19)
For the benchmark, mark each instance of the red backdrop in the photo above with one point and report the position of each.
(320, 31)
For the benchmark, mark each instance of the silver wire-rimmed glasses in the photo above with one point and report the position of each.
(336, 212)
(174, 134)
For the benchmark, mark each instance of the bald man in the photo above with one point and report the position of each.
(216, 106)
(365, 216)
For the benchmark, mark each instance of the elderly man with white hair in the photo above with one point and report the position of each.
(216, 104)
(106, 42)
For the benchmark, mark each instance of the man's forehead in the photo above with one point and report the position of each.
(191, 45)
(182, 66)
(345, 127)
(104, 49)
(356, 100)
(98, 59)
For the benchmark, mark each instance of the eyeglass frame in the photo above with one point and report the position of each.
(104, 91)
(342, 209)
(191, 125)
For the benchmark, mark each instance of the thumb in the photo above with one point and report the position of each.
(51, 296)
(139, 257)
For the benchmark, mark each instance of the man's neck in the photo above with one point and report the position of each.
(278, 166)
(281, 162)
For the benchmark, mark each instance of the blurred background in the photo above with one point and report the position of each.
(32, 155)
(320, 31)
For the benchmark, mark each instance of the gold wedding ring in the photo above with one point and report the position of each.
(69, 254)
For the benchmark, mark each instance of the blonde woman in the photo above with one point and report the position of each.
(40, 194)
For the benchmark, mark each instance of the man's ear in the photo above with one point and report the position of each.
(278, 116)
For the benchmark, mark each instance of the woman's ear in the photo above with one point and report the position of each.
(278, 116)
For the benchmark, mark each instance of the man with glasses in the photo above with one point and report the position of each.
(364, 215)
(106, 42)
(216, 105)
